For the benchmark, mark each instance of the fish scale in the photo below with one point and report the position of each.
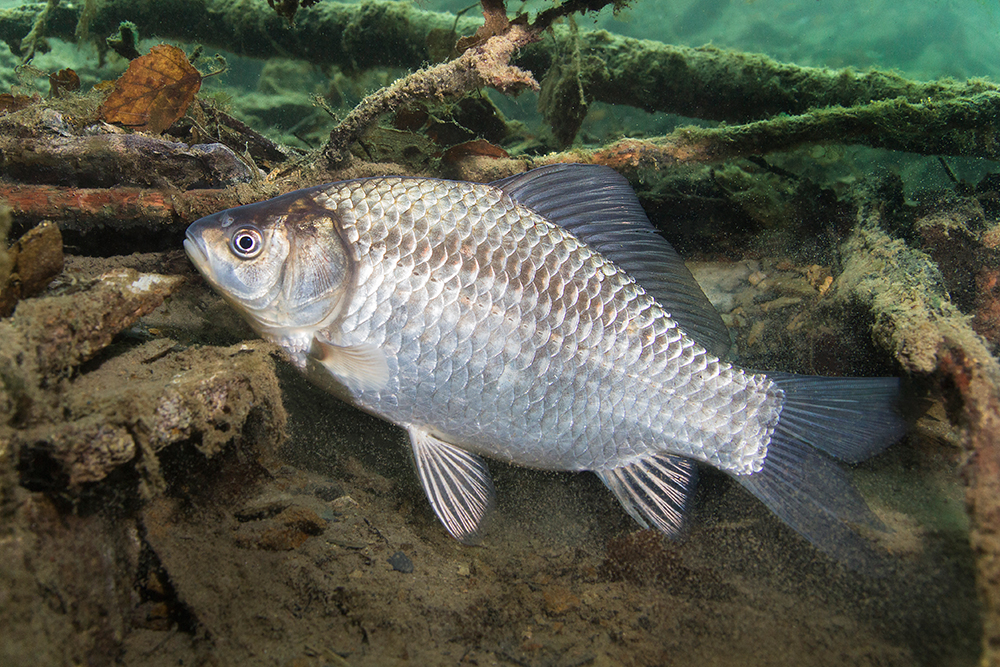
(612, 325)
(539, 320)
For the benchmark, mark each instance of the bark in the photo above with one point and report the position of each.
(955, 126)
(87, 209)
(932, 340)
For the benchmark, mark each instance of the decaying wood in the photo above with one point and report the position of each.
(954, 126)
(111, 160)
(84, 209)
(484, 65)
(931, 339)
(34, 260)
(104, 423)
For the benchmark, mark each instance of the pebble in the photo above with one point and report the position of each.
(401, 562)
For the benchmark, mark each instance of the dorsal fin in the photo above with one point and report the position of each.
(598, 206)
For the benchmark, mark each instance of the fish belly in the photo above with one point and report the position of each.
(506, 336)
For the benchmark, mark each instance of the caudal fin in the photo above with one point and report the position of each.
(850, 419)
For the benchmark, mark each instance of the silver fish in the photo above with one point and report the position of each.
(542, 321)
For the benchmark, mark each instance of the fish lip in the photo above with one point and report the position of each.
(195, 252)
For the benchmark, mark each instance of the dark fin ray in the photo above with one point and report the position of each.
(657, 489)
(851, 419)
(457, 484)
(598, 206)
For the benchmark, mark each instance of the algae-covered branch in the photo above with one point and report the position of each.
(706, 82)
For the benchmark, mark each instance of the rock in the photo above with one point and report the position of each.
(401, 562)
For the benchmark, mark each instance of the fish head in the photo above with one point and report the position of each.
(281, 263)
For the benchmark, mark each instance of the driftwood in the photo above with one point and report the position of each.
(110, 160)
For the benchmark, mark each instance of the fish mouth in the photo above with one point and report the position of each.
(195, 252)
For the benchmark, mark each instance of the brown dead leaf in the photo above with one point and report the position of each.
(10, 102)
(474, 148)
(63, 81)
(154, 91)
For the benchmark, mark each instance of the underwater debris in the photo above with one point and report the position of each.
(63, 81)
(933, 340)
(496, 23)
(73, 437)
(484, 65)
(88, 209)
(34, 42)
(48, 145)
(122, 42)
(154, 91)
(235, 132)
(562, 99)
(473, 148)
(698, 82)
(485, 62)
(891, 124)
(32, 262)
(115, 160)
(704, 82)
(10, 102)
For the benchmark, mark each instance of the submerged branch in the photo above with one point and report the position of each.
(703, 82)
(961, 126)
(776, 106)
(484, 65)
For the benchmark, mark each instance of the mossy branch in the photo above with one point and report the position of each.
(704, 82)
(483, 65)
(964, 126)
(833, 106)
(485, 61)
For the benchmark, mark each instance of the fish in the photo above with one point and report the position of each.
(541, 320)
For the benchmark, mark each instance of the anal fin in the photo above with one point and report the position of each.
(654, 490)
(457, 484)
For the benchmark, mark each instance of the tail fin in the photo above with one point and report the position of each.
(850, 419)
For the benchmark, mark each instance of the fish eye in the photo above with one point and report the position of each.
(247, 242)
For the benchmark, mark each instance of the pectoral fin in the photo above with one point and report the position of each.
(656, 489)
(456, 482)
(358, 367)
